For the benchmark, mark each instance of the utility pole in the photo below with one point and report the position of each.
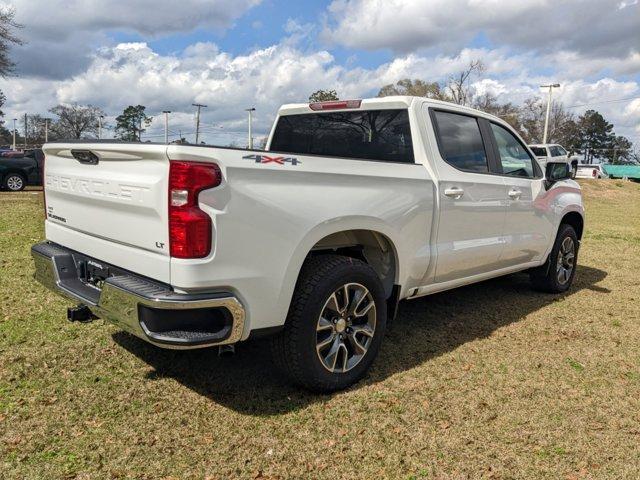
(546, 120)
(166, 126)
(199, 105)
(46, 130)
(250, 110)
(25, 131)
(100, 127)
(14, 135)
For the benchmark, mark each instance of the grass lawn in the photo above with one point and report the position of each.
(489, 381)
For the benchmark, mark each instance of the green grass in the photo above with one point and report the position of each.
(489, 381)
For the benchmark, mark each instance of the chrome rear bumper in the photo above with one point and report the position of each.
(149, 310)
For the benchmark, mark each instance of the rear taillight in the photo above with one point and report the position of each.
(594, 173)
(335, 105)
(190, 227)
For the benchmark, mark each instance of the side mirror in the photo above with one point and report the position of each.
(557, 171)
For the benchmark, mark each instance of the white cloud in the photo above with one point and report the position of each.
(57, 18)
(61, 34)
(594, 28)
(268, 77)
(626, 4)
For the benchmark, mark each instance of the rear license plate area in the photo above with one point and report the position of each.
(93, 273)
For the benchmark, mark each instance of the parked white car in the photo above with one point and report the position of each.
(552, 152)
(354, 206)
(595, 171)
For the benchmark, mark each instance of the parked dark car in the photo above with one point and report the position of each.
(18, 171)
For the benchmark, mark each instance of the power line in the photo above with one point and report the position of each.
(604, 101)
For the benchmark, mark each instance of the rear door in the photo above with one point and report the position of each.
(109, 201)
(472, 199)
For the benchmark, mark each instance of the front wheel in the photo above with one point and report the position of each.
(14, 182)
(557, 273)
(335, 324)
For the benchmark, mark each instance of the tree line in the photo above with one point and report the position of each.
(74, 122)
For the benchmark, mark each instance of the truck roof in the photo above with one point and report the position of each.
(396, 101)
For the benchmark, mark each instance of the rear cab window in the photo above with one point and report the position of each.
(381, 135)
(539, 151)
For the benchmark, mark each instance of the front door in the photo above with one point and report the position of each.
(528, 226)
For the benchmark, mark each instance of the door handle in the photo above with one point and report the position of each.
(515, 194)
(454, 192)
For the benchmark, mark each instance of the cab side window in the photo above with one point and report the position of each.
(460, 142)
(514, 157)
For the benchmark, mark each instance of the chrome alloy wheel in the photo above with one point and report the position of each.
(345, 327)
(15, 183)
(566, 260)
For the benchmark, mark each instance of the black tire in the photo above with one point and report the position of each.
(547, 278)
(294, 349)
(14, 182)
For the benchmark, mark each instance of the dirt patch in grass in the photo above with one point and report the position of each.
(489, 381)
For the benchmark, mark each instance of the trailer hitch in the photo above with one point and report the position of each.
(80, 313)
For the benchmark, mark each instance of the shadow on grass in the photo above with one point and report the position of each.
(425, 328)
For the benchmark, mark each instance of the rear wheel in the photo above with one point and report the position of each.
(14, 182)
(557, 274)
(335, 324)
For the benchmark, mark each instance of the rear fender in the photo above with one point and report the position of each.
(334, 226)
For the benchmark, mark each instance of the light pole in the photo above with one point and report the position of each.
(199, 105)
(14, 135)
(46, 130)
(250, 110)
(100, 127)
(546, 120)
(166, 126)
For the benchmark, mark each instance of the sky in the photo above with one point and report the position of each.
(235, 54)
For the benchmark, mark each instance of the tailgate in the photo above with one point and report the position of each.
(109, 201)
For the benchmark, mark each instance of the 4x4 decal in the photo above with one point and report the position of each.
(278, 160)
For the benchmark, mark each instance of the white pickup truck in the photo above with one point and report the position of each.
(354, 206)
(552, 152)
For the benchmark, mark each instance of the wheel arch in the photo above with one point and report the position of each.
(372, 247)
(338, 235)
(576, 220)
(11, 171)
